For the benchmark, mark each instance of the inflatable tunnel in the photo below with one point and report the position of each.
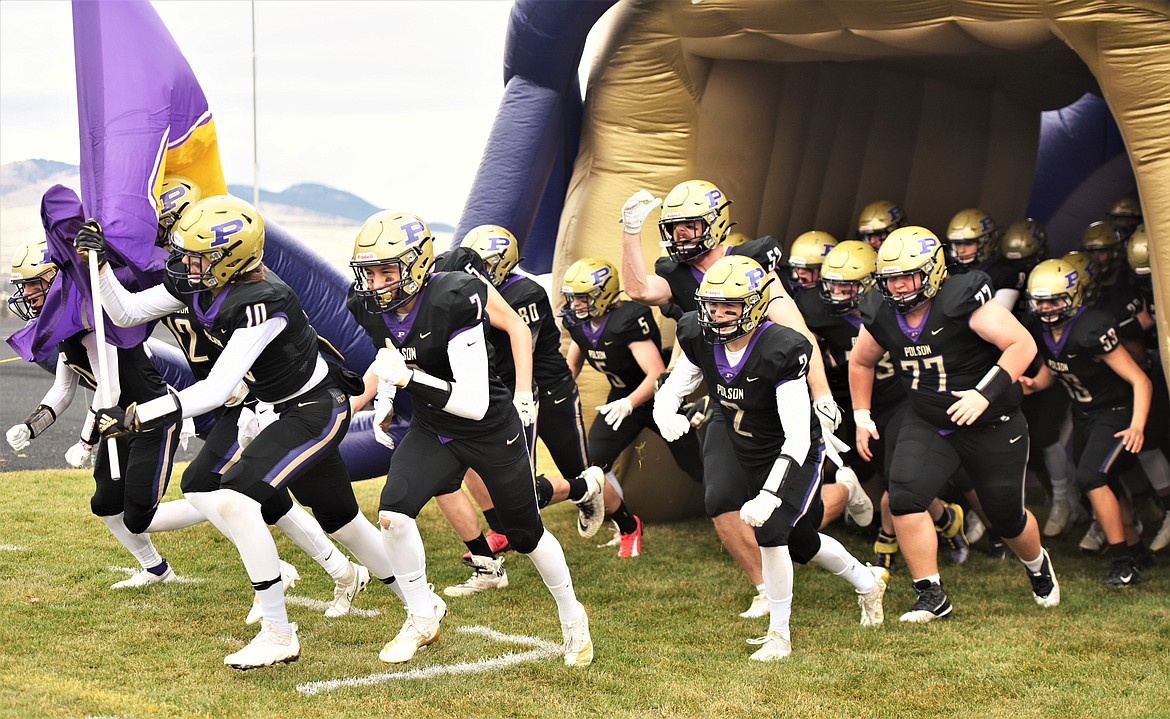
(805, 111)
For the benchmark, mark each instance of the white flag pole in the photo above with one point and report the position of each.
(99, 327)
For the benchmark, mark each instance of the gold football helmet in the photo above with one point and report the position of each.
(1102, 245)
(32, 273)
(1024, 240)
(1125, 215)
(972, 226)
(911, 251)
(1056, 291)
(846, 274)
(593, 281)
(396, 241)
(177, 194)
(497, 247)
(220, 238)
(1137, 252)
(877, 220)
(733, 279)
(808, 253)
(689, 202)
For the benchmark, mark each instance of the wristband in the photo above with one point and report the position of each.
(431, 390)
(40, 419)
(89, 433)
(156, 413)
(778, 477)
(994, 383)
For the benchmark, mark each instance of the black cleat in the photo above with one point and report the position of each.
(932, 603)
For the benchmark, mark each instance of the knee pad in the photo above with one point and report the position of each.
(137, 519)
(524, 540)
(275, 508)
(1009, 529)
(196, 478)
(103, 505)
(904, 503)
(802, 554)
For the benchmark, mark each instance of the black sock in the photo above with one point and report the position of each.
(577, 488)
(1119, 551)
(625, 520)
(544, 491)
(388, 580)
(479, 547)
(493, 521)
(159, 569)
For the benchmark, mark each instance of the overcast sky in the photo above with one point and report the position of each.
(392, 101)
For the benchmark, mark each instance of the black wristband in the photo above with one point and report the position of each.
(431, 390)
(994, 383)
(40, 419)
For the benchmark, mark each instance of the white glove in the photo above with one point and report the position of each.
(864, 420)
(248, 427)
(238, 395)
(756, 511)
(383, 413)
(390, 365)
(525, 407)
(19, 436)
(78, 455)
(828, 412)
(636, 209)
(671, 425)
(616, 411)
(186, 432)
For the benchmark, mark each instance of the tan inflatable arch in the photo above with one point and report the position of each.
(803, 111)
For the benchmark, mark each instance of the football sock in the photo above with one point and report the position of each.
(836, 558)
(1056, 462)
(617, 486)
(1119, 551)
(1157, 469)
(479, 547)
(777, 566)
(932, 578)
(304, 531)
(258, 552)
(1034, 565)
(394, 586)
(364, 542)
(404, 549)
(549, 560)
(176, 514)
(624, 519)
(577, 487)
(138, 544)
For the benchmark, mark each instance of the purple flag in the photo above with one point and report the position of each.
(68, 308)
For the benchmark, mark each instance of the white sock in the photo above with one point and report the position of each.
(205, 503)
(1034, 565)
(138, 544)
(837, 559)
(408, 561)
(617, 487)
(254, 542)
(364, 541)
(1156, 467)
(549, 559)
(777, 566)
(932, 578)
(1056, 462)
(300, 526)
(176, 514)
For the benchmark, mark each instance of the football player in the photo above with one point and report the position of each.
(959, 356)
(131, 507)
(877, 220)
(1110, 394)
(431, 333)
(620, 340)
(216, 272)
(755, 372)
(1125, 216)
(694, 225)
(973, 240)
(805, 258)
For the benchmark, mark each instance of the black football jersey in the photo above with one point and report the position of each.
(684, 280)
(288, 362)
(448, 304)
(1075, 359)
(1005, 274)
(942, 354)
(137, 375)
(746, 394)
(1122, 301)
(201, 352)
(607, 348)
(838, 334)
(530, 301)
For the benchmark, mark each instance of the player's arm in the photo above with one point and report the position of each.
(783, 311)
(55, 401)
(795, 411)
(1122, 363)
(863, 361)
(1042, 381)
(575, 359)
(995, 324)
(649, 359)
(1007, 296)
(127, 309)
(641, 286)
(521, 337)
(370, 383)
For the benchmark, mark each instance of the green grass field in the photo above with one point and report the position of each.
(667, 637)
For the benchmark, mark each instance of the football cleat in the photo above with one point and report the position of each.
(267, 648)
(997, 549)
(975, 528)
(932, 603)
(872, 614)
(773, 647)
(632, 543)
(591, 507)
(578, 644)
(952, 533)
(1045, 588)
(759, 606)
(1058, 519)
(1093, 540)
(289, 576)
(145, 578)
(345, 592)
(1123, 573)
(1161, 540)
(416, 633)
(487, 573)
(885, 549)
(859, 506)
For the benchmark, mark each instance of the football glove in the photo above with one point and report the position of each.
(78, 455)
(247, 427)
(18, 437)
(671, 425)
(114, 421)
(90, 238)
(390, 365)
(616, 411)
(636, 209)
(525, 407)
(755, 512)
(828, 412)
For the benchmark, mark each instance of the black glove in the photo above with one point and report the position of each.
(113, 422)
(660, 380)
(90, 238)
(699, 412)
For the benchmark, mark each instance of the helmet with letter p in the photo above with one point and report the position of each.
(807, 255)
(846, 274)
(877, 220)
(972, 227)
(915, 253)
(696, 208)
(733, 280)
(497, 247)
(392, 259)
(175, 196)
(215, 241)
(590, 287)
(1056, 291)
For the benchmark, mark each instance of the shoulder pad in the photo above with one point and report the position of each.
(963, 294)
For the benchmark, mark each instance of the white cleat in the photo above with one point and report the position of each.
(345, 592)
(289, 576)
(487, 573)
(1162, 538)
(1058, 519)
(578, 644)
(859, 506)
(872, 614)
(975, 528)
(773, 647)
(1093, 540)
(759, 607)
(268, 648)
(416, 632)
(591, 507)
(145, 579)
